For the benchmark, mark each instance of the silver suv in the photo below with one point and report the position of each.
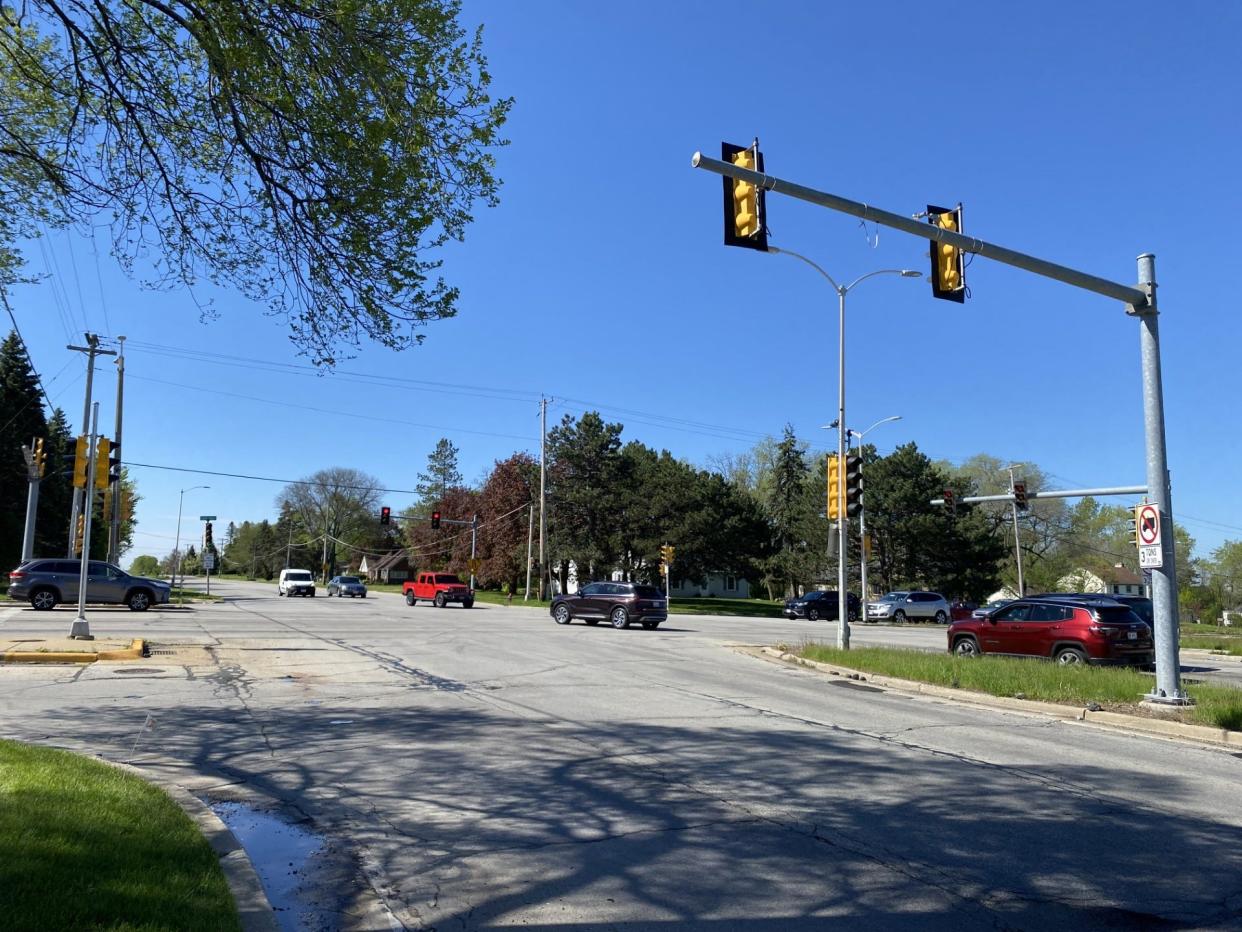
(910, 606)
(46, 583)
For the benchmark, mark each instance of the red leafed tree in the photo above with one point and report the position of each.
(449, 547)
(504, 506)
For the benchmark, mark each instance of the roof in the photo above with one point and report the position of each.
(391, 560)
(1119, 574)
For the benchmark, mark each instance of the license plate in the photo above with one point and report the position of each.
(1132, 635)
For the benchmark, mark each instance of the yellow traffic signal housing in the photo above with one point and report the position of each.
(834, 473)
(101, 463)
(744, 203)
(948, 276)
(40, 457)
(79, 532)
(81, 460)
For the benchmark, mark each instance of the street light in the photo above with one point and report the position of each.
(862, 512)
(177, 545)
(843, 621)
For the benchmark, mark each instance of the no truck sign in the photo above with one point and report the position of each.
(1147, 526)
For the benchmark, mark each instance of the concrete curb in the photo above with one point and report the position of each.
(253, 908)
(1150, 726)
(136, 651)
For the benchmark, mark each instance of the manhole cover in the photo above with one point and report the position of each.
(139, 670)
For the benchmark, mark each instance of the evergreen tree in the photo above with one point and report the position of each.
(441, 475)
(21, 420)
(56, 489)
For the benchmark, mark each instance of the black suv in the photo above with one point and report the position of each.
(822, 604)
(619, 602)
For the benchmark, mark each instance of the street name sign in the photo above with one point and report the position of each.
(206, 517)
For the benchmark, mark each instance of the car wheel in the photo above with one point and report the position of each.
(468, 603)
(1071, 657)
(43, 600)
(619, 618)
(941, 617)
(409, 598)
(363, 596)
(812, 614)
(440, 601)
(899, 616)
(561, 614)
(966, 647)
(139, 601)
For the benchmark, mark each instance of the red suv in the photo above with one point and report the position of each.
(1070, 630)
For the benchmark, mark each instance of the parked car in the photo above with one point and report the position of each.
(296, 582)
(825, 604)
(46, 583)
(619, 602)
(439, 589)
(989, 608)
(350, 586)
(960, 609)
(1139, 604)
(1069, 629)
(909, 606)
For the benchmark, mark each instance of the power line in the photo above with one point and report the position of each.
(237, 475)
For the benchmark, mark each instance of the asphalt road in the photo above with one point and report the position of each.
(487, 768)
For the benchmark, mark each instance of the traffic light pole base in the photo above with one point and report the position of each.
(81, 631)
(1158, 703)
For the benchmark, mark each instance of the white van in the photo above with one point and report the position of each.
(296, 582)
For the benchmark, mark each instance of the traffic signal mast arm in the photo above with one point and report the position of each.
(1063, 493)
(1139, 298)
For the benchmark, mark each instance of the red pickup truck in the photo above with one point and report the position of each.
(439, 588)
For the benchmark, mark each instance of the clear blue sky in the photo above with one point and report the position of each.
(1082, 133)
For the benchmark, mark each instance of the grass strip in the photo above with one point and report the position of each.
(1231, 646)
(87, 846)
(1115, 688)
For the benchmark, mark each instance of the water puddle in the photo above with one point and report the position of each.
(285, 856)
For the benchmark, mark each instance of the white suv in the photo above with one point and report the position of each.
(296, 582)
(910, 606)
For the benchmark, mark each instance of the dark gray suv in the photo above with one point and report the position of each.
(47, 583)
(619, 602)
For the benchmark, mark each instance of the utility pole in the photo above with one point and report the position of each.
(1017, 541)
(474, 540)
(530, 533)
(543, 495)
(114, 532)
(80, 495)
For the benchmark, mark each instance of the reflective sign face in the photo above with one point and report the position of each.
(1148, 525)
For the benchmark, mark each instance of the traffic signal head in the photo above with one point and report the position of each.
(102, 453)
(948, 276)
(435, 520)
(114, 464)
(853, 484)
(40, 457)
(1134, 527)
(79, 532)
(1019, 496)
(385, 515)
(950, 502)
(207, 544)
(81, 461)
(744, 203)
(834, 481)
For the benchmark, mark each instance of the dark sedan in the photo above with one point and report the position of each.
(823, 604)
(618, 602)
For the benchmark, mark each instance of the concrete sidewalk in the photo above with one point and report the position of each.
(67, 650)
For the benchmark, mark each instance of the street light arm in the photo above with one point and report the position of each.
(903, 272)
(883, 420)
(812, 264)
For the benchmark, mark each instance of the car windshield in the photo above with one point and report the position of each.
(894, 597)
(648, 592)
(298, 576)
(1140, 607)
(447, 578)
(349, 579)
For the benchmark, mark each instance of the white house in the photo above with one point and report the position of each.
(1117, 580)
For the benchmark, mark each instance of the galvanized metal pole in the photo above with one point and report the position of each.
(530, 534)
(1168, 688)
(81, 629)
(32, 504)
(474, 539)
(75, 509)
(543, 479)
(114, 532)
(1017, 539)
(843, 615)
(862, 536)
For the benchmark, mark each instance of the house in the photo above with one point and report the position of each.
(717, 586)
(388, 568)
(1116, 580)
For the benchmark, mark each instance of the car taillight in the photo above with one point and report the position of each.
(16, 575)
(1108, 631)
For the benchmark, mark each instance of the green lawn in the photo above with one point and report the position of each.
(86, 846)
(1116, 687)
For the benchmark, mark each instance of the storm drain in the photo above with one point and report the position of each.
(161, 652)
